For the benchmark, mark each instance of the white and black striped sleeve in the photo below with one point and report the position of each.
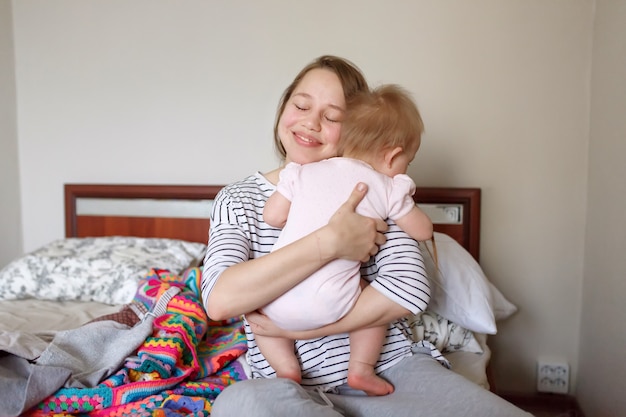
(398, 271)
(227, 246)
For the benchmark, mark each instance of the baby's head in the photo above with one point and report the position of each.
(383, 128)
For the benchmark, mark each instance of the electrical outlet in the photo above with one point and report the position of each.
(552, 375)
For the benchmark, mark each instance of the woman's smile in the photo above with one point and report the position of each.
(306, 139)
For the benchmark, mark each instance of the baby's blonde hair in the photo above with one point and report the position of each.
(382, 119)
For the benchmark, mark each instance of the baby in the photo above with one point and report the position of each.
(380, 135)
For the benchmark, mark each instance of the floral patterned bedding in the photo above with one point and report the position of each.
(102, 269)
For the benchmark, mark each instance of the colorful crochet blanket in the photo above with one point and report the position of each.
(178, 371)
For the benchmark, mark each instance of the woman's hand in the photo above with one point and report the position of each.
(263, 326)
(353, 236)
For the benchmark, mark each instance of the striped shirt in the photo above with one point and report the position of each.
(238, 233)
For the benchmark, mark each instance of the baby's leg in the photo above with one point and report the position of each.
(280, 355)
(365, 346)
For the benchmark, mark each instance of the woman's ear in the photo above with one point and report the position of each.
(391, 154)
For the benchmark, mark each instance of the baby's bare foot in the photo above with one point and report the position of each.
(361, 376)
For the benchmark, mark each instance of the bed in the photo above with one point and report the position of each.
(161, 231)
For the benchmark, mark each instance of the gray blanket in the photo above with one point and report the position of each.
(34, 366)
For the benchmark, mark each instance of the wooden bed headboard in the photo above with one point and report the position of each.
(129, 222)
(183, 211)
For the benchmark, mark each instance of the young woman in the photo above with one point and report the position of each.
(241, 275)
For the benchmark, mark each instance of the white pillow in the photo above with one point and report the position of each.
(502, 307)
(460, 291)
(103, 269)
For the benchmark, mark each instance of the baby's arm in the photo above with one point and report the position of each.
(416, 224)
(276, 210)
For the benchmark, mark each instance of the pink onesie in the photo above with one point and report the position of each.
(316, 191)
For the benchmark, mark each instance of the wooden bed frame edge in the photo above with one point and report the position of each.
(469, 198)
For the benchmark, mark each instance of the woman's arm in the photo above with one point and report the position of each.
(248, 285)
(371, 309)
(400, 286)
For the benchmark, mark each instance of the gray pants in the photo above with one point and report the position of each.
(422, 388)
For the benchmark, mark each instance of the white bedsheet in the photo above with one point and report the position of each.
(36, 315)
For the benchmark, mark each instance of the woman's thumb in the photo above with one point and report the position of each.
(357, 195)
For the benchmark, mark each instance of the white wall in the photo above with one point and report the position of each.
(185, 92)
(10, 224)
(602, 337)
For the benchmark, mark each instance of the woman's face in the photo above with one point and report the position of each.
(310, 125)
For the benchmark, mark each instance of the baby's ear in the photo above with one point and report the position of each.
(390, 154)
